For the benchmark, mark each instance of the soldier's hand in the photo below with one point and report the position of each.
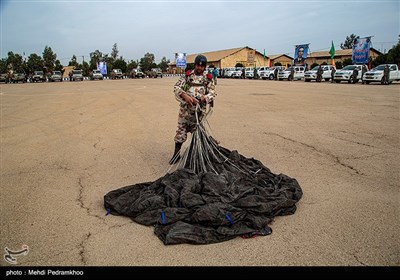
(189, 100)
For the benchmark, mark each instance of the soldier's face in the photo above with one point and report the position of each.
(300, 53)
(199, 69)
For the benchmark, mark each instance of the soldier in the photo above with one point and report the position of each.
(291, 75)
(276, 73)
(363, 70)
(319, 74)
(386, 73)
(195, 88)
(333, 73)
(355, 75)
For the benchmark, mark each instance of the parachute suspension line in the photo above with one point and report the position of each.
(203, 153)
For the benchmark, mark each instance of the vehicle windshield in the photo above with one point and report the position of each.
(315, 68)
(380, 67)
(38, 72)
(349, 67)
(57, 73)
(77, 71)
(96, 72)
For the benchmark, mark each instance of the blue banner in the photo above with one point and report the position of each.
(300, 54)
(102, 66)
(180, 59)
(360, 53)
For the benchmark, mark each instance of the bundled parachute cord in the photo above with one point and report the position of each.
(203, 152)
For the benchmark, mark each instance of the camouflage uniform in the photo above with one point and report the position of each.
(195, 86)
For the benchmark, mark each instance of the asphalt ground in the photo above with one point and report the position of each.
(65, 145)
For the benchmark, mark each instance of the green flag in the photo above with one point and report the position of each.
(264, 54)
(332, 51)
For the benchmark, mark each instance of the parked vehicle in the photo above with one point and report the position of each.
(229, 71)
(312, 74)
(376, 74)
(96, 75)
(116, 74)
(56, 76)
(76, 75)
(270, 72)
(38, 76)
(249, 72)
(18, 77)
(5, 78)
(155, 73)
(346, 74)
(136, 73)
(297, 75)
(238, 73)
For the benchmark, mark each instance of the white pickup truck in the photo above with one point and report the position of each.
(346, 74)
(312, 74)
(376, 74)
(270, 72)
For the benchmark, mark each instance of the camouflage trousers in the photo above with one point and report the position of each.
(187, 123)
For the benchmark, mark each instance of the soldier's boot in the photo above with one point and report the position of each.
(176, 156)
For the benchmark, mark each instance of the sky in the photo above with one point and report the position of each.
(164, 28)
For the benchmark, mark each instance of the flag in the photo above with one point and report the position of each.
(332, 53)
(264, 54)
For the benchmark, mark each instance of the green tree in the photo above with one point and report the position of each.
(58, 66)
(339, 64)
(239, 64)
(147, 62)
(73, 61)
(85, 68)
(348, 43)
(313, 65)
(347, 61)
(110, 63)
(131, 65)
(393, 55)
(15, 62)
(3, 65)
(163, 65)
(120, 63)
(34, 63)
(95, 58)
(49, 59)
(114, 52)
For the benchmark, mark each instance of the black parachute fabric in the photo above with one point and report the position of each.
(214, 195)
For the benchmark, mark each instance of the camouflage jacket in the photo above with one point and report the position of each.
(195, 86)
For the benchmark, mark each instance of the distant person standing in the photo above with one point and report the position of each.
(363, 71)
(386, 73)
(355, 75)
(333, 73)
(276, 73)
(255, 73)
(291, 76)
(319, 74)
(215, 75)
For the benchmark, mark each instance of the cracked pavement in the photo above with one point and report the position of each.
(65, 145)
